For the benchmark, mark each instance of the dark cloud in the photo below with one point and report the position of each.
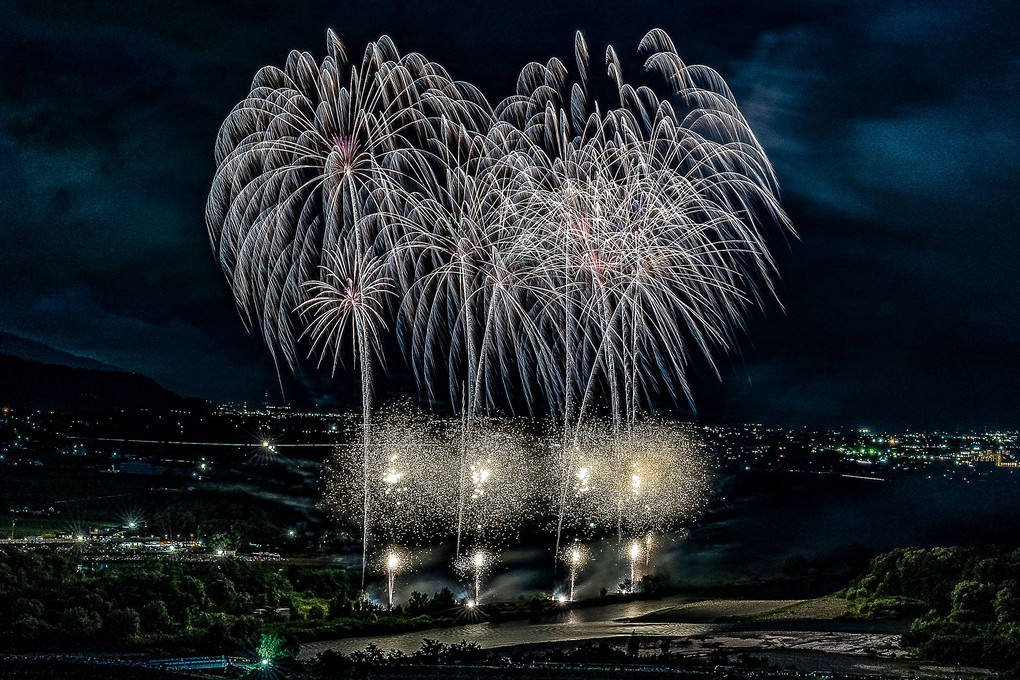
(889, 128)
(892, 127)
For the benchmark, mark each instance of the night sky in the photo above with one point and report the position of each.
(894, 129)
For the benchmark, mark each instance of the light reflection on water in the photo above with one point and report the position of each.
(577, 624)
(769, 518)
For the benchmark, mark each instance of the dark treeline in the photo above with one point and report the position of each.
(70, 668)
(965, 602)
(228, 522)
(65, 600)
(68, 599)
(593, 655)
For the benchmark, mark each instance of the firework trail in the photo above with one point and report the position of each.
(547, 245)
(311, 168)
(574, 556)
(654, 223)
(550, 250)
(314, 161)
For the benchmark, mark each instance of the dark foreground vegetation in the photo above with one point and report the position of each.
(964, 602)
(596, 658)
(65, 600)
(26, 668)
(69, 599)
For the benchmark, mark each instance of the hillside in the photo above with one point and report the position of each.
(32, 385)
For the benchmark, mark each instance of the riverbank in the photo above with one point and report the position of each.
(802, 635)
(590, 621)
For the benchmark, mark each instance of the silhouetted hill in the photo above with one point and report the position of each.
(33, 385)
(17, 346)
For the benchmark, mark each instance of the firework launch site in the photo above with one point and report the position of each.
(218, 502)
(500, 313)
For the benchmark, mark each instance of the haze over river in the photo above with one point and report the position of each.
(763, 520)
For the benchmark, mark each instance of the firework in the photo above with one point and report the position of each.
(550, 250)
(574, 556)
(394, 561)
(474, 566)
(634, 550)
(651, 478)
(420, 488)
(422, 491)
(313, 164)
(649, 546)
(500, 483)
(311, 167)
(547, 245)
(411, 478)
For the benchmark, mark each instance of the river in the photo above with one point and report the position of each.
(576, 624)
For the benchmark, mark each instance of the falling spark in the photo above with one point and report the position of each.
(550, 250)
(635, 553)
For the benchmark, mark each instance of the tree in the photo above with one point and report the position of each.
(971, 601)
(1007, 603)
(80, 622)
(417, 603)
(122, 624)
(155, 618)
